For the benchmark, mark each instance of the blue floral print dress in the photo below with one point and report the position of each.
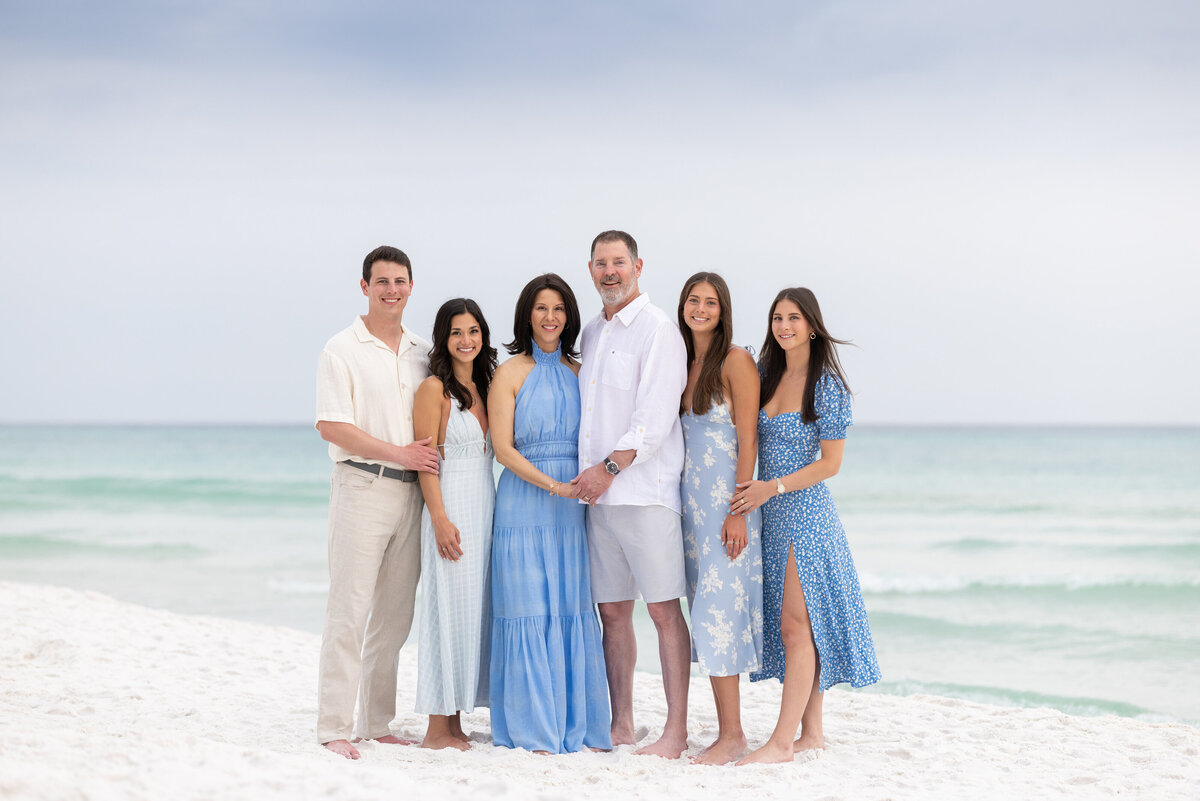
(807, 522)
(724, 596)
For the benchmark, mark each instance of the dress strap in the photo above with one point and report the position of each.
(542, 357)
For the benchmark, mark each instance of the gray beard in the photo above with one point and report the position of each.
(611, 296)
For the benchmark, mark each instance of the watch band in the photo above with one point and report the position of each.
(611, 466)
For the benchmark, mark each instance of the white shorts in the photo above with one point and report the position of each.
(635, 549)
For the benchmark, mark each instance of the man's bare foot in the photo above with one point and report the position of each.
(808, 743)
(722, 751)
(391, 739)
(770, 752)
(665, 747)
(622, 736)
(342, 748)
(445, 740)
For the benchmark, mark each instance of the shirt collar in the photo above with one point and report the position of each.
(628, 314)
(365, 336)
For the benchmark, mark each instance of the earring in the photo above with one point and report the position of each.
(812, 334)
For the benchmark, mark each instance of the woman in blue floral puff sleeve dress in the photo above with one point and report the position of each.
(815, 630)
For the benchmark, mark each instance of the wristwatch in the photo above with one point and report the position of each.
(779, 490)
(611, 466)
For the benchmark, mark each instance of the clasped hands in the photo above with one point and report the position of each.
(588, 486)
(750, 495)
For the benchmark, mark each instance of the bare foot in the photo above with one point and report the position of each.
(342, 748)
(722, 751)
(770, 752)
(622, 736)
(391, 739)
(666, 747)
(445, 740)
(808, 743)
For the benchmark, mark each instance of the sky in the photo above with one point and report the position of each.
(996, 202)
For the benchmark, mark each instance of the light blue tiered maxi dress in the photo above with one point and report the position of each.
(548, 687)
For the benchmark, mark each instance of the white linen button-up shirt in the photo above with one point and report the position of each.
(360, 380)
(633, 374)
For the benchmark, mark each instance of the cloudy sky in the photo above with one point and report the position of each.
(997, 202)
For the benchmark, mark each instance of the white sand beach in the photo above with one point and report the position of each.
(101, 699)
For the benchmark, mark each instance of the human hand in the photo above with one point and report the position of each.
(734, 536)
(592, 483)
(449, 541)
(750, 495)
(565, 489)
(419, 455)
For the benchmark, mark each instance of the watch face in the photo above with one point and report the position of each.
(611, 466)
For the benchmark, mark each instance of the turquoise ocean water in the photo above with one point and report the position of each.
(1019, 566)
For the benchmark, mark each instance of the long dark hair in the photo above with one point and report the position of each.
(441, 364)
(708, 385)
(522, 327)
(823, 356)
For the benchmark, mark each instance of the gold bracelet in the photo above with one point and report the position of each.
(551, 489)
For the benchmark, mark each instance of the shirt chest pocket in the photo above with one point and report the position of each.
(619, 369)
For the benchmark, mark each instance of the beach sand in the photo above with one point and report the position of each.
(101, 699)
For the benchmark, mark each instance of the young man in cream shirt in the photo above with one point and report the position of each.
(631, 459)
(367, 376)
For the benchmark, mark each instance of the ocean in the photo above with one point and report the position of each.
(1053, 567)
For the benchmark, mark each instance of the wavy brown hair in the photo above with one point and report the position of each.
(522, 341)
(708, 389)
(823, 356)
(441, 363)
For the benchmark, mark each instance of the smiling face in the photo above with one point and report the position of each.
(548, 318)
(465, 339)
(702, 308)
(388, 290)
(788, 325)
(615, 274)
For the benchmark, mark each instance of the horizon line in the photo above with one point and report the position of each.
(871, 425)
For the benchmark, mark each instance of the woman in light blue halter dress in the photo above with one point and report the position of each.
(548, 688)
(456, 525)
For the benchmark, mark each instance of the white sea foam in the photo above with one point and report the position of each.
(915, 584)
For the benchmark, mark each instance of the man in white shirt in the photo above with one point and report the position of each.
(367, 376)
(631, 459)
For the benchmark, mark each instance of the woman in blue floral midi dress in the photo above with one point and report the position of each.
(816, 632)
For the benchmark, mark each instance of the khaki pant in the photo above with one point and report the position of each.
(374, 564)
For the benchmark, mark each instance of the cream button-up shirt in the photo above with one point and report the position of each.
(360, 380)
(633, 374)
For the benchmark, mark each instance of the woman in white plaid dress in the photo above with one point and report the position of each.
(456, 526)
